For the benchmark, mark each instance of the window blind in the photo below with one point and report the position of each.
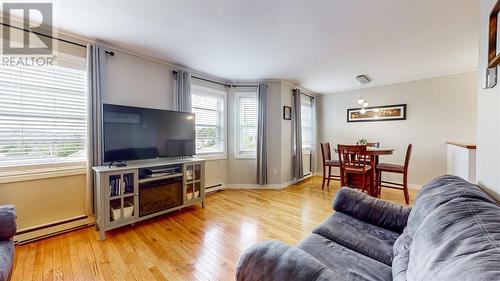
(247, 137)
(43, 112)
(306, 120)
(208, 108)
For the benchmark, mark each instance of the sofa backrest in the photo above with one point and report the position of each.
(439, 191)
(453, 233)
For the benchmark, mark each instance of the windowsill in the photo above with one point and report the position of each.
(37, 172)
(245, 157)
(212, 157)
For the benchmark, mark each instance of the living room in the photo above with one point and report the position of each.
(172, 140)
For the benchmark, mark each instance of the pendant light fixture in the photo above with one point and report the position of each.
(362, 79)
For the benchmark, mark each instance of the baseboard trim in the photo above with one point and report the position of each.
(253, 186)
(415, 186)
(31, 234)
(266, 186)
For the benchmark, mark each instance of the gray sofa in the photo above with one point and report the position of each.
(451, 233)
(7, 231)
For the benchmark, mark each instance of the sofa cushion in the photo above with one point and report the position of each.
(343, 261)
(6, 259)
(371, 210)
(368, 239)
(437, 192)
(401, 258)
(7, 221)
(275, 261)
(459, 240)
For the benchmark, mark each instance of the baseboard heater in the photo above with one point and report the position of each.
(214, 188)
(31, 234)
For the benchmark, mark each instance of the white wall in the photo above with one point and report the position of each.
(275, 138)
(44, 201)
(286, 133)
(439, 109)
(488, 117)
(135, 81)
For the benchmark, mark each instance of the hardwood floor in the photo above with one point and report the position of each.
(192, 244)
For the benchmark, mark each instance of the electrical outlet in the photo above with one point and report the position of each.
(275, 171)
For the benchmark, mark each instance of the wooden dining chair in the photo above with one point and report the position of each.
(328, 163)
(354, 160)
(370, 144)
(398, 169)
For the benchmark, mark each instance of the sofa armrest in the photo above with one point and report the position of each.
(372, 210)
(7, 222)
(273, 260)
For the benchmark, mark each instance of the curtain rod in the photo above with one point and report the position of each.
(245, 86)
(111, 53)
(204, 79)
(220, 83)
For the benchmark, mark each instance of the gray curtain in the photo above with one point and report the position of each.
(298, 169)
(261, 135)
(96, 58)
(182, 91)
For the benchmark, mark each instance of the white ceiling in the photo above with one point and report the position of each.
(320, 44)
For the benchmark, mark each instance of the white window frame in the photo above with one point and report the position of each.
(204, 90)
(243, 92)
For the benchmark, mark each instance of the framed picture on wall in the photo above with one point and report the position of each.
(377, 113)
(493, 37)
(287, 113)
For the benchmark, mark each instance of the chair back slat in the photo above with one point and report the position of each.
(325, 151)
(353, 156)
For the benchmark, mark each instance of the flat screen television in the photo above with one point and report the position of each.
(134, 133)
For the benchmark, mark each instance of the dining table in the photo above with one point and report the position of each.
(373, 153)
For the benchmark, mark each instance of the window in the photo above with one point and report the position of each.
(43, 110)
(247, 124)
(209, 107)
(307, 123)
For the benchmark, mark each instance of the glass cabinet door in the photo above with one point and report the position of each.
(197, 172)
(192, 182)
(128, 184)
(123, 198)
(197, 190)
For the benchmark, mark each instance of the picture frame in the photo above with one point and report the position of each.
(287, 113)
(377, 113)
(493, 37)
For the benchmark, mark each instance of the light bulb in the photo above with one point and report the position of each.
(362, 111)
(361, 101)
(365, 104)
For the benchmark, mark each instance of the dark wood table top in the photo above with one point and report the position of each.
(376, 151)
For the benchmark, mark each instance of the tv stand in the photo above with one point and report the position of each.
(144, 189)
